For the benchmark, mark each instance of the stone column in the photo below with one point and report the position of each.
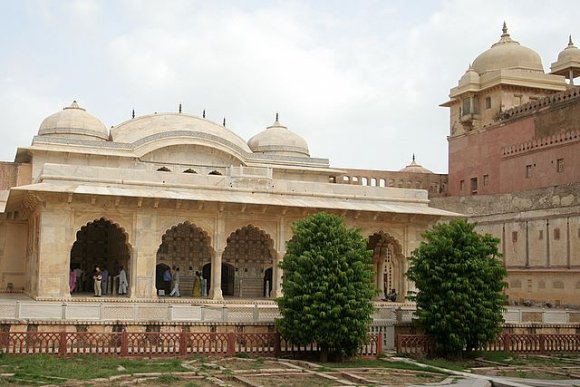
(215, 291)
(277, 272)
(277, 276)
(381, 277)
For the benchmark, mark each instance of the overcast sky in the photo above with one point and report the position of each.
(361, 81)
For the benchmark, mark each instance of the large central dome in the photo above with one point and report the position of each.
(508, 54)
(176, 125)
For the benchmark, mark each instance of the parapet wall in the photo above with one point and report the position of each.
(538, 199)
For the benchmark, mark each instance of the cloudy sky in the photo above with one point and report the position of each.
(359, 80)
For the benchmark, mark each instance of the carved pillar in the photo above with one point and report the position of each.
(381, 277)
(277, 277)
(215, 292)
(277, 272)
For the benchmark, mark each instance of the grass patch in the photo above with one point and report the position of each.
(52, 369)
(455, 365)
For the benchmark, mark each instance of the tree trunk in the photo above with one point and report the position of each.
(324, 353)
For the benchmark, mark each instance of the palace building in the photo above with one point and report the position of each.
(173, 189)
(514, 166)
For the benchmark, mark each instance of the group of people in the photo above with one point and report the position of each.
(79, 281)
(171, 282)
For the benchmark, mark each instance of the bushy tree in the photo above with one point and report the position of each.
(327, 287)
(460, 282)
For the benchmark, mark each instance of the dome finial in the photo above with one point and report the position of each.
(570, 43)
(179, 108)
(224, 123)
(504, 29)
(133, 114)
(203, 114)
(413, 157)
(276, 117)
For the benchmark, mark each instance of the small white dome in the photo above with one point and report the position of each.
(415, 168)
(278, 140)
(508, 54)
(73, 122)
(470, 76)
(570, 53)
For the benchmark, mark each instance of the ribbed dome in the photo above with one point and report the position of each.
(508, 54)
(278, 140)
(74, 122)
(415, 168)
(570, 53)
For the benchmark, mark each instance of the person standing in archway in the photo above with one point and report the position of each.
(197, 284)
(105, 282)
(175, 280)
(97, 278)
(167, 281)
(123, 283)
(72, 280)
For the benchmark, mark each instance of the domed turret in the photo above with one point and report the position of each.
(470, 76)
(568, 63)
(73, 122)
(278, 140)
(415, 168)
(508, 54)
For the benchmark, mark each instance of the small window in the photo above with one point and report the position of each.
(541, 235)
(473, 185)
(528, 171)
(461, 185)
(189, 170)
(560, 165)
(214, 172)
(485, 180)
(556, 234)
(164, 169)
(514, 236)
(488, 102)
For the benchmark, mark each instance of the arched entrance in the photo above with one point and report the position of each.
(250, 252)
(99, 243)
(187, 247)
(387, 261)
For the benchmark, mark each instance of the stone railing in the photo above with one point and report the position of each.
(148, 344)
(419, 345)
(541, 142)
(533, 106)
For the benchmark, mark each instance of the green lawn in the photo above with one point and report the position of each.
(52, 369)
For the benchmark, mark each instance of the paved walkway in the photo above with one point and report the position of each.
(475, 380)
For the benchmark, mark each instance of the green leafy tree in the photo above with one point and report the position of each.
(460, 283)
(327, 286)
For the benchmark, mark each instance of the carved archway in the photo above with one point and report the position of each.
(250, 252)
(187, 247)
(99, 243)
(387, 261)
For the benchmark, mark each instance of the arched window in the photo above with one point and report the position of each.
(189, 170)
(216, 173)
(164, 169)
